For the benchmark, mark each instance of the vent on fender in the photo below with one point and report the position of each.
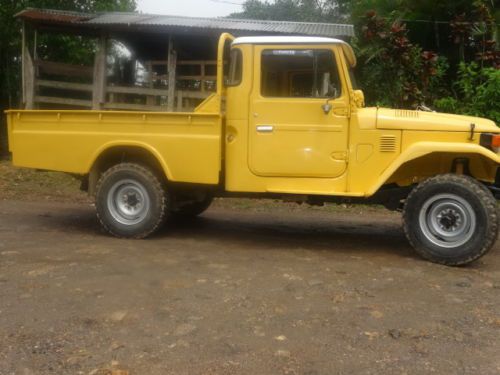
(388, 143)
(406, 113)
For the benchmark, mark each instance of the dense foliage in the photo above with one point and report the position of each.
(391, 64)
(478, 93)
(296, 10)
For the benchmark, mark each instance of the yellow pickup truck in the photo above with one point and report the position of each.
(287, 122)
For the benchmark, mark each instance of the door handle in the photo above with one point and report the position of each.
(340, 111)
(265, 128)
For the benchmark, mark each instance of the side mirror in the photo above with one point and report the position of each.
(327, 107)
(359, 98)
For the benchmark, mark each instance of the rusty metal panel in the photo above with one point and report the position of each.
(56, 16)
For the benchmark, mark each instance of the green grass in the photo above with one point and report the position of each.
(29, 184)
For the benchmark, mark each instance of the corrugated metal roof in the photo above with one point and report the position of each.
(115, 19)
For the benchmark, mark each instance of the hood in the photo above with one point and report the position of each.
(402, 119)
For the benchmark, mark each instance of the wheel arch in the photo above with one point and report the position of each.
(117, 152)
(432, 158)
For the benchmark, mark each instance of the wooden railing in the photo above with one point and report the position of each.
(153, 97)
(61, 69)
(66, 93)
(64, 86)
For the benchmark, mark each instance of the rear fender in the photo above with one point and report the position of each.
(131, 144)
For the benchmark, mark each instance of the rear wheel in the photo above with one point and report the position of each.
(131, 201)
(451, 219)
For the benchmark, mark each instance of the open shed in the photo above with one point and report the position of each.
(172, 65)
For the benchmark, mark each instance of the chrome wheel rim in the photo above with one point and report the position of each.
(128, 202)
(447, 220)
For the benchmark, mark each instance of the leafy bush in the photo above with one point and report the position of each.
(477, 93)
(394, 71)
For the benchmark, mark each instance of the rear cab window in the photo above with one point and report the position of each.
(235, 68)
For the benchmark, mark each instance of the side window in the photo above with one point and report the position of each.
(299, 74)
(235, 68)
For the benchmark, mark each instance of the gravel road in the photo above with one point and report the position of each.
(238, 291)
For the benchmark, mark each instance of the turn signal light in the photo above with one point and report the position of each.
(490, 141)
(495, 141)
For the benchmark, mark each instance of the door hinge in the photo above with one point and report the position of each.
(342, 111)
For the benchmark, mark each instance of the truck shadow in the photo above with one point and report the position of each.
(250, 231)
(292, 232)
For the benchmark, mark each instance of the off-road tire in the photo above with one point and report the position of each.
(190, 209)
(151, 187)
(479, 199)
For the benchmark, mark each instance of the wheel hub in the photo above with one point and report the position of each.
(131, 200)
(447, 220)
(128, 202)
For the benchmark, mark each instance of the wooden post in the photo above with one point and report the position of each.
(150, 100)
(23, 62)
(35, 42)
(29, 80)
(99, 84)
(172, 62)
(27, 73)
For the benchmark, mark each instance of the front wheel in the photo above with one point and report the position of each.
(451, 219)
(130, 200)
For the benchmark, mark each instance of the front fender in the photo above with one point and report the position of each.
(420, 149)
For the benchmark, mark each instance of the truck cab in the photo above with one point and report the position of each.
(287, 121)
(281, 130)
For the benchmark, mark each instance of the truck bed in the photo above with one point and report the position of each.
(187, 145)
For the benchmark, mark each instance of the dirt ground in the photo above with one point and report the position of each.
(247, 288)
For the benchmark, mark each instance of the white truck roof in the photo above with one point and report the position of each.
(285, 40)
(348, 51)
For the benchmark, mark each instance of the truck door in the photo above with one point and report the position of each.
(289, 133)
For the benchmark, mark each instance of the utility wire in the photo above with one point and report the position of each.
(443, 22)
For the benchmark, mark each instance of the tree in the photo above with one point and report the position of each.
(457, 29)
(464, 78)
(384, 50)
(295, 10)
(10, 43)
